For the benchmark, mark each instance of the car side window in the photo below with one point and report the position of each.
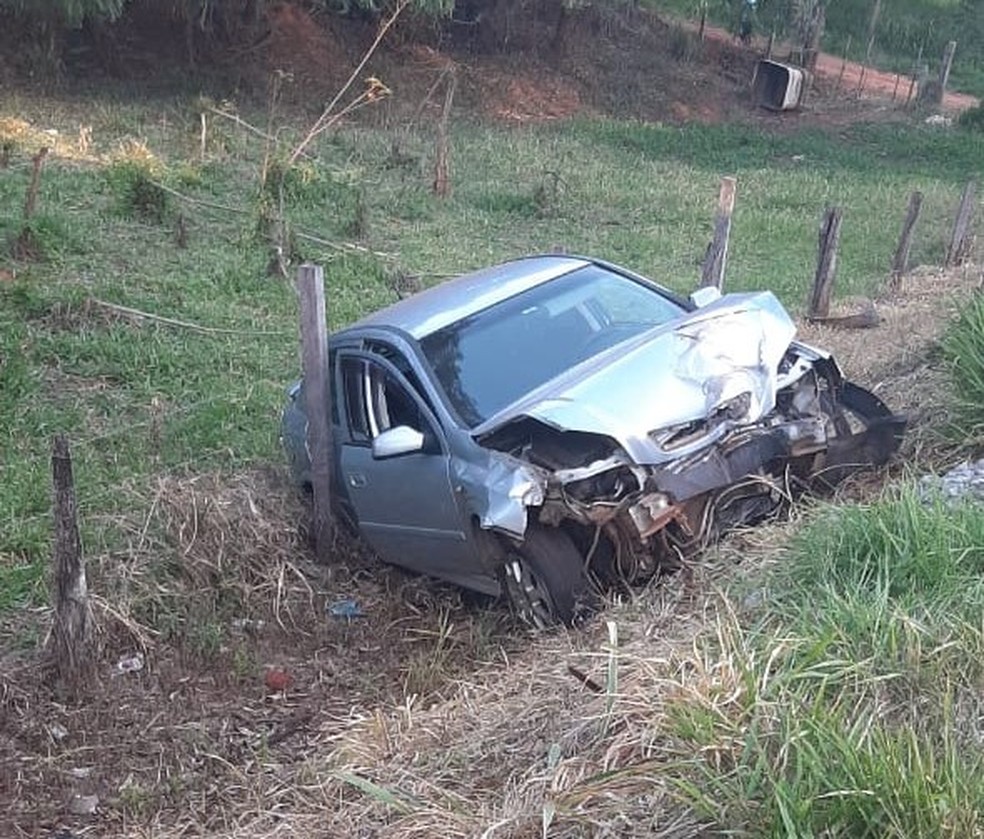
(375, 401)
(399, 361)
(355, 402)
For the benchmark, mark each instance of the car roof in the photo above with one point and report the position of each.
(450, 301)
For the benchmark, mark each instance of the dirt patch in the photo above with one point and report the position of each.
(630, 63)
(530, 66)
(312, 57)
(538, 96)
(870, 83)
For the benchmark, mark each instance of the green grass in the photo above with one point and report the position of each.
(860, 681)
(848, 703)
(139, 397)
(963, 349)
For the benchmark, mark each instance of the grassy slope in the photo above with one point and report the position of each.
(874, 617)
(138, 398)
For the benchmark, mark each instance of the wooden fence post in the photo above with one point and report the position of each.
(823, 282)
(960, 240)
(442, 176)
(317, 399)
(948, 54)
(847, 52)
(915, 74)
(69, 643)
(872, 29)
(716, 258)
(900, 263)
(31, 198)
(25, 245)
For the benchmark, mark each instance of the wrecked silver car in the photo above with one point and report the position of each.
(554, 426)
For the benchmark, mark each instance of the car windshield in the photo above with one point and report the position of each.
(492, 358)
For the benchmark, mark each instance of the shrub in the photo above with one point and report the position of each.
(134, 173)
(973, 118)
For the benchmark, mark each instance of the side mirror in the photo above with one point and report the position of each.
(704, 296)
(396, 441)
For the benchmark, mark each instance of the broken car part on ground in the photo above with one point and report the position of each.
(556, 425)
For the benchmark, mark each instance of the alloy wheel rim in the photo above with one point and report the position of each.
(528, 594)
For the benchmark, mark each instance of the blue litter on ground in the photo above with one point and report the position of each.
(345, 609)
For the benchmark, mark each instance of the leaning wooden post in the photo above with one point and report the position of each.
(823, 282)
(948, 54)
(69, 642)
(900, 263)
(716, 258)
(959, 248)
(317, 399)
(872, 28)
(24, 246)
(847, 52)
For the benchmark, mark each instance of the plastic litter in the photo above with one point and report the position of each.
(130, 663)
(347, 609)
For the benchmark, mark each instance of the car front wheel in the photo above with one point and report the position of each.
(545, 580)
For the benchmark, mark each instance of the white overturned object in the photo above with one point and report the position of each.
(778, 86)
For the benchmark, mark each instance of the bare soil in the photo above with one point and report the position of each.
(622, 62)
(264, 649)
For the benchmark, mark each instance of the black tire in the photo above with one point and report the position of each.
(545, 580)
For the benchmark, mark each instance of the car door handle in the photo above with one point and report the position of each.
(357, 480)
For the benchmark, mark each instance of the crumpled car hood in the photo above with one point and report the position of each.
(671, 376)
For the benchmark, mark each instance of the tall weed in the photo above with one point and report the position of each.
(963, 348)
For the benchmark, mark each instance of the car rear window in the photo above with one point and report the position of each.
(493, 358)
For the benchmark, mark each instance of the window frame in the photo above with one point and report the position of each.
(368, 359)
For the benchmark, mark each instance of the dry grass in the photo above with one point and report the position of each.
(22, 135)
(213, 585)
(899, 359)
